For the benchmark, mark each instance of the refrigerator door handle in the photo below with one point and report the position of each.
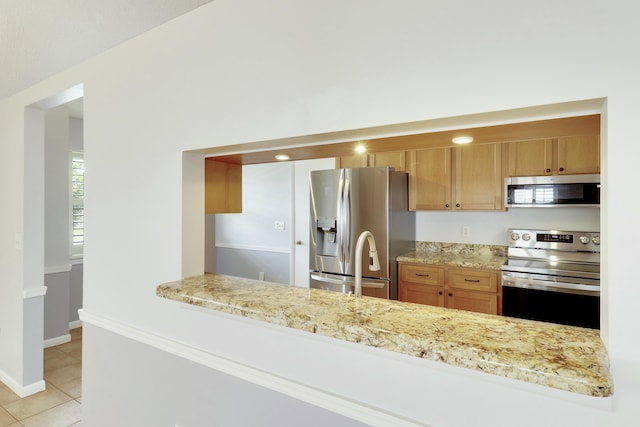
(340, 220)
(346, 237)
(344, 221)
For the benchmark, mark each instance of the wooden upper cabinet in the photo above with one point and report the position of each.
(557, 156)
(395, 159)
(530, 158)
(222, 187)
(430, 179)
(461, 178)
(478, 177)
(578, 155)
(354, 161)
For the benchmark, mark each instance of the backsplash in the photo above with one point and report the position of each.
(465, 249)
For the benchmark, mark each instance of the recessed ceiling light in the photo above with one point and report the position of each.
(360, 148)
(282, 157)
(462, 139)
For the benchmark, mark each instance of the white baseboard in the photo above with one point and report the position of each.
(75, 324)
(52, 342)
(22, 391)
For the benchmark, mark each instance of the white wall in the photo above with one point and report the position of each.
(234, 72)
(489, 228)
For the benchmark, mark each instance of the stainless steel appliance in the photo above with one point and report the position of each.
(553, 276)
(553, 191)
(346, 202)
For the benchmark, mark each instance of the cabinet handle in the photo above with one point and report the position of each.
(439, 292)
(561, 169)
(450, 294)
(472, 280)
(457, 205)
(447, 205)
(422, 275)
(547, 170)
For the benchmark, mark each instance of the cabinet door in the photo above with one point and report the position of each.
(472, 301)
(430, 179)
(395, 159)
(355, 161)
(222, 187)
(578, 154)
(530, 158)
(478, 177)
(421, 294)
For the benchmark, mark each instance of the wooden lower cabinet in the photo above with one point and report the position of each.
(460, 288)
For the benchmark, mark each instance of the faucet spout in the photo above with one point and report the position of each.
(374, 262)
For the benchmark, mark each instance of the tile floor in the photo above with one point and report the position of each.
(60, 404)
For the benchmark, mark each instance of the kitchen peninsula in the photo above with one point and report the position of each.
(562, 357)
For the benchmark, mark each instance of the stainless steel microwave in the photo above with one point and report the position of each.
(553, 191)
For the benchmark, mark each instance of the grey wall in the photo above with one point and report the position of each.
(249, 264)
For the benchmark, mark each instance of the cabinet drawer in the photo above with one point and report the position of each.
(485, 281)
(421, 274)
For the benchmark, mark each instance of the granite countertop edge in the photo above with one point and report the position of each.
(562, 357)
(483, 261)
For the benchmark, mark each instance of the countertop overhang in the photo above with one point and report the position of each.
(562, 357)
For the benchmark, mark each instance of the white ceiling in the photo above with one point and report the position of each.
(39, 38)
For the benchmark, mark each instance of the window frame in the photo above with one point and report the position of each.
(76, 251)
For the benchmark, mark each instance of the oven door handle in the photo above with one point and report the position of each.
(544, 285)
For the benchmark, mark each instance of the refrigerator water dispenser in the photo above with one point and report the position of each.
(326, 236)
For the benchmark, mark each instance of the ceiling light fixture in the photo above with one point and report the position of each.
(282, 157)
(360, 148)
(462, 139)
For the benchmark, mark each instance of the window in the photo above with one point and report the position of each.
(77, 204)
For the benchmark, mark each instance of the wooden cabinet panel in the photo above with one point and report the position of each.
(421, 294)
(223, 187)
(395, 159)
(473, 280)
(422, 274)
(470, 177)
(478, 177)
(355, 161)
(530, 158)
(578, 155)
(460, 288)
(557, 156)
(430, 179)
(472, 301)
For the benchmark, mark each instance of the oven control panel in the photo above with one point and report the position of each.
(588, 241)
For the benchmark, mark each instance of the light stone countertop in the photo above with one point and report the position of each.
(563, 357)
(486, 262)
(488, 257)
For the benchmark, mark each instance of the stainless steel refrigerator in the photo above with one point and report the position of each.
(346, 202)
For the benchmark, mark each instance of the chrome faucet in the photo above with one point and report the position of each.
(374, 262)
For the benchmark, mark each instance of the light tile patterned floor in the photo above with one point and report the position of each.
(60, 404)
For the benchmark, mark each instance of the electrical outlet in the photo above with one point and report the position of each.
(279, 225)
(466, 230)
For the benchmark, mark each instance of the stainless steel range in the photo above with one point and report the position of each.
(553, 276)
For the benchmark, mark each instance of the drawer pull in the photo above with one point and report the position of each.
(422, 275)
(472, 280)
